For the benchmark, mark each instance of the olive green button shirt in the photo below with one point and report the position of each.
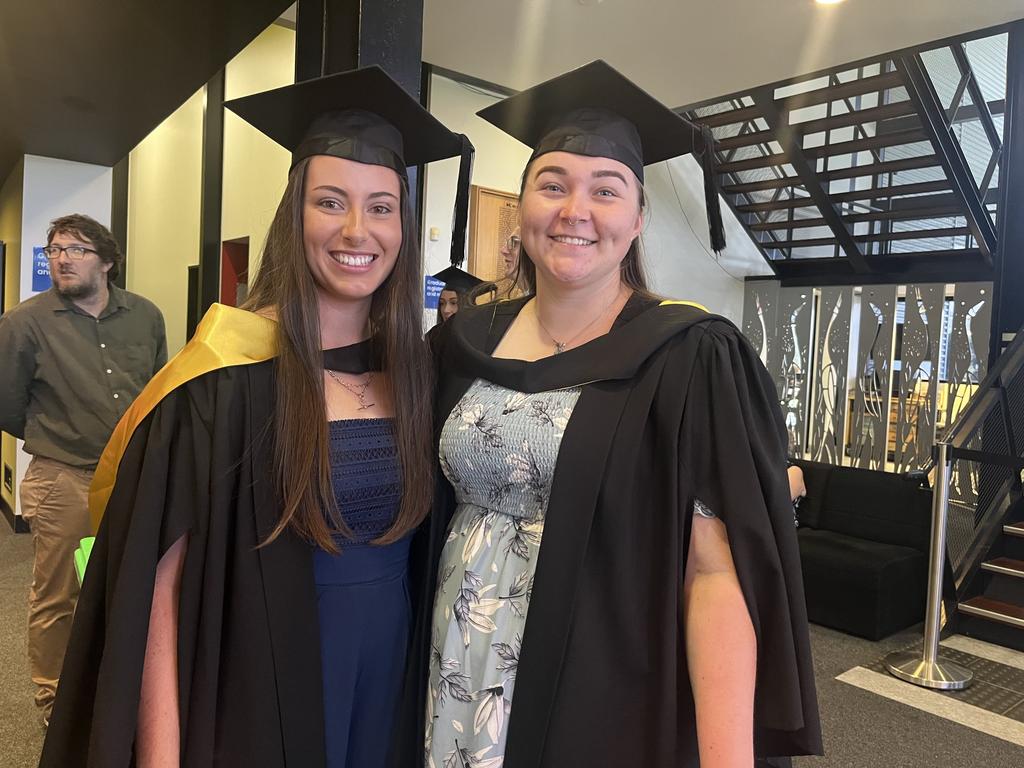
(66, 377)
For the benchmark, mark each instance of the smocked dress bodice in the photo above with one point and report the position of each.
(498, 449)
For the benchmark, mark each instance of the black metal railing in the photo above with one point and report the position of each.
(978, 465)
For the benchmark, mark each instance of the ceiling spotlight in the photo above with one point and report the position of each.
(828, 2)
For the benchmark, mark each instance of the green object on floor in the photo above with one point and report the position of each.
(82, 556)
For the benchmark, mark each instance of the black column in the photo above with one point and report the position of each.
(212, 195)
(332, 36)
(1008, 308)
(418, 182)
(119, 215)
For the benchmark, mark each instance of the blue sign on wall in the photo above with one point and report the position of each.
(40, 271)
(431, 292)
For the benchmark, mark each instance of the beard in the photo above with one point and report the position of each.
(76, 290)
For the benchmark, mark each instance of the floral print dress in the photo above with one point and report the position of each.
(498, 449)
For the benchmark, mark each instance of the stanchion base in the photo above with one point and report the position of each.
(941, 674)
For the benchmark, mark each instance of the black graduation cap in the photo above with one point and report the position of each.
(597, 111)
(456, 279)
(361, 115)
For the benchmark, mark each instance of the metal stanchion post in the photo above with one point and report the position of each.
(927, 669)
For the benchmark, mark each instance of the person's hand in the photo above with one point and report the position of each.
(797, 489)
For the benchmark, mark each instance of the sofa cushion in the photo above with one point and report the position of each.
(861, 587)
(877, 506)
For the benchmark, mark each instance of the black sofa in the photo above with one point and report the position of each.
(864, 549)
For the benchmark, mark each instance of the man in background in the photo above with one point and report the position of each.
(74, 357)
(510, 254)
(505, 287)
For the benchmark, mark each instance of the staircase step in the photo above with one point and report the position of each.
(1014, 529)
(994, 610)
(1006, 566)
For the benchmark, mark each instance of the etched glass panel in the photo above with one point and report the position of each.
(917, 381)
(872, 409)
(832, 343)
(760, 318)
(792, 369)
(967, 352)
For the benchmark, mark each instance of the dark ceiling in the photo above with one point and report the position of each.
(87, 80)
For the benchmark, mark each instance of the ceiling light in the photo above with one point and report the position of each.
(828, 2)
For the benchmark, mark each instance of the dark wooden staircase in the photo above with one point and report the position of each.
(995, 612)
(859, 172)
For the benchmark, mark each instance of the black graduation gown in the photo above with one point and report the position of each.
(250, 685)
(675, 407)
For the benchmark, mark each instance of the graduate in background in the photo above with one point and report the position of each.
(459, 288)
(246, 602)
(618, 579)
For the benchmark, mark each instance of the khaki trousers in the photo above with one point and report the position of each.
(54, 503)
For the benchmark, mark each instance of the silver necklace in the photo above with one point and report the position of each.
(560, 346)
(356, 390)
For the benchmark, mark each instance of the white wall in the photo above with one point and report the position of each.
(165, 183)
(255, 167)
(499, 162)
(164, 194)
(679, 262)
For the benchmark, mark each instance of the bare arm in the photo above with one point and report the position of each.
(158, 739)
(797, 489)
(721, 649)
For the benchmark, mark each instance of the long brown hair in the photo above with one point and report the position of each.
(631, 270)
(301, 453)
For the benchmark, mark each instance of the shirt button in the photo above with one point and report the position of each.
(116, 395)
(103, 346)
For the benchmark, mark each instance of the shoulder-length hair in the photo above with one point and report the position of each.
(301, 449)
(631, 270)
(80, 225)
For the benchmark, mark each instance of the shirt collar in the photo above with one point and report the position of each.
(118, 298)
(51, 299)
(117, 301)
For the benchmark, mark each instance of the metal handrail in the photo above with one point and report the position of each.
(979, 406)
(927, 668)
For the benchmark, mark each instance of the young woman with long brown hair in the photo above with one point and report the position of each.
(247, 601)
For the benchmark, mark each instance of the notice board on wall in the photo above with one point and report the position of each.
(493, 214)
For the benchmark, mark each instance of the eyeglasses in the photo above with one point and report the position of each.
(512, 243)
(76, 252)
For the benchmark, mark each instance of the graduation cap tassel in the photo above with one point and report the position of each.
(711, 198)
(461, 216)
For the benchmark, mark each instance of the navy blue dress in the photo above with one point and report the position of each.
(363, 598)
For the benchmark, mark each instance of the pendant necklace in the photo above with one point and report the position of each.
(560, 346)
(356, 390)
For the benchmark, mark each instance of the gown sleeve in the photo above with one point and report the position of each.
(733, 455)
(159, 495)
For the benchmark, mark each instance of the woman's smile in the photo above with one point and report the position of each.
(353, 261)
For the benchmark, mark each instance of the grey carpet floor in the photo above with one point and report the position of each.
(862, 730)
(21, 731)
